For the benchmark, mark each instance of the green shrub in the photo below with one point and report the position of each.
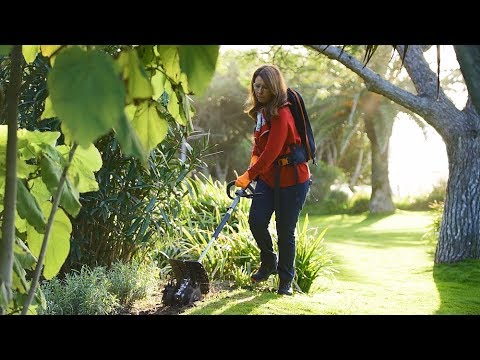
(431, 236)
(423, 202)
(323, 176)
(312, 258)
(335, 202)
(80, 293)
(132, 281)
(98, 291)
(360, 202)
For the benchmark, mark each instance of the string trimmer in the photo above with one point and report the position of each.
(190, 280)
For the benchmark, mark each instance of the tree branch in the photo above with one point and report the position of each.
(437, 113)
(48, 228)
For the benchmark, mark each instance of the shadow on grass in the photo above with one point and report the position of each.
(242, 303)
(458, 286)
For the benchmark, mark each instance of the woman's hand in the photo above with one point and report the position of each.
(243, 180)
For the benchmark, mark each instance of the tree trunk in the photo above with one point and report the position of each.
(381, 198)
(7, 238)
(460, 230)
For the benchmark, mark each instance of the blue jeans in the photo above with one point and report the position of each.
(291, 200)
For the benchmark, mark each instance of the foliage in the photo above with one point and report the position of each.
(323, 176)
(234, 255)
(312, 257)
(132, 281)
(133, 90)
(424, 201)
(99, 291)
(80, 293)
(220, 113)
(135, 206)
(359, 203)
(434, 228)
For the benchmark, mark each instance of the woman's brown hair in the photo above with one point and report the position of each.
(274, 81)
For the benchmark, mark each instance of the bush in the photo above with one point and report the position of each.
(323, 176)
(98, 291)
(80, 293)
(431, 236)
(312, 258)
(360, 202)
(131, 282)
(423, 202)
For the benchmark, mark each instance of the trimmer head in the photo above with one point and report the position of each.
(191, 281)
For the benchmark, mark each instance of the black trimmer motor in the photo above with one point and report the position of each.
(189, 284)
(190, 280)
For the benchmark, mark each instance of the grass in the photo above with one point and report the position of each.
(384, 268)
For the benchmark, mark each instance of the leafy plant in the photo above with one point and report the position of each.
(312, 258)
(134, 92)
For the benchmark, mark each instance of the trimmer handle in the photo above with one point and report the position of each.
(241, 192)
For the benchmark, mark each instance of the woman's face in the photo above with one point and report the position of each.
(263, 94)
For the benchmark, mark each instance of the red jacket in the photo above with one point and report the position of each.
(272, 141)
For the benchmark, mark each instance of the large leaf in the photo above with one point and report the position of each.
(58, 245)
(85, 161)
(170, 61)
(49, 50)
(23, 255)
(157, 82)
(48, 112)
(173, 106)
(29, 209)
(150, 126)
(39, 190)
(87, 93)
(127, 136)
(30, 52)
(198, 62)
(138, 84)
(52, 164)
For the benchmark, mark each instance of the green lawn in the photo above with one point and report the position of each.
(384, 267)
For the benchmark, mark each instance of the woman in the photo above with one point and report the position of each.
(275, 136)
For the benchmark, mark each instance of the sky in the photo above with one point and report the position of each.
(416, 168)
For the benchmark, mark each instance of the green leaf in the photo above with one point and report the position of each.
(138, 84)
(173, 106)
(58, 245)
(24, 169)
(87, 93)
(39, 190)
(48, 111)
(81, 172)
(5, 49)
(30, 52)
(19, 282)
(157, 82)
(39, 137)
(198, 62)
(52, 164)
(170, 61)
(28, 208)
(48, 50)
(150, 125)
(23, 255)
(128, 138)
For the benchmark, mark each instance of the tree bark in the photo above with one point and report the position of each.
(460, 130)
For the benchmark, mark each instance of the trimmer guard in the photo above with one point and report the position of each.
(190, 269)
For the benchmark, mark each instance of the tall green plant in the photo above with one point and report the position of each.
(132, 92)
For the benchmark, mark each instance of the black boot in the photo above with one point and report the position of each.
(285, 288)
(263, 273)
